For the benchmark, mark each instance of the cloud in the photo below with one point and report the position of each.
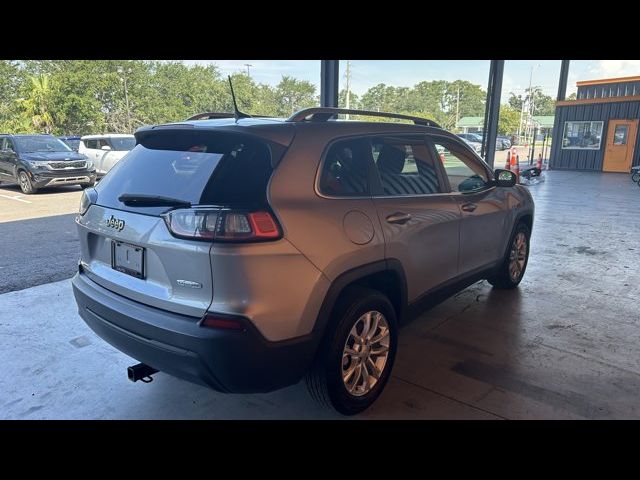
(615, 68)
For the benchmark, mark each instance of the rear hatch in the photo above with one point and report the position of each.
(127, 246)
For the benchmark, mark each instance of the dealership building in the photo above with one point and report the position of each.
(598, 130)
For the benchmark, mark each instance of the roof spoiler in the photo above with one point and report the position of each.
(323, 114)
(212, 115)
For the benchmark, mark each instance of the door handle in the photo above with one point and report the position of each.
(399, 217)
(469, 207)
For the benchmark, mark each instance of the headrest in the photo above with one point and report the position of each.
(391, 159)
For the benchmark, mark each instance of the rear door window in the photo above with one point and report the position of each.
(202, 168)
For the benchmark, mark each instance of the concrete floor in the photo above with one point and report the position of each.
(566, 344)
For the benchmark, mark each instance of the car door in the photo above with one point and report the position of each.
(8, 159)
(3, 163)
(420, 220)
(483, 206)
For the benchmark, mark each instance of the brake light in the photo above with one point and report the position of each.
(227, 225)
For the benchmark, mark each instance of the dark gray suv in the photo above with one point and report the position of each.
(247, 254)
(38, 161)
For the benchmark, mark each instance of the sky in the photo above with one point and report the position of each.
(367, 73)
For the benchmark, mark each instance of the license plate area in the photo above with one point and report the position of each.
(127, 258)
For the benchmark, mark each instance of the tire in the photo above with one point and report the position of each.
(25, 183)
(503, 277)
(325, 379)
(87, 185)
(635, 176)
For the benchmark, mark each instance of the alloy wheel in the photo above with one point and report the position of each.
(365, 353)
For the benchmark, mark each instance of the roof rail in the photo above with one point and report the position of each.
(322, 114)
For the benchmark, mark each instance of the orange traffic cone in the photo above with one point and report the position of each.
(515, 164)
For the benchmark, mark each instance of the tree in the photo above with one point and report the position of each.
(37, 106)
(508, 120)
(342, 99)
(291, 95)
(12, 81)
(542, 104)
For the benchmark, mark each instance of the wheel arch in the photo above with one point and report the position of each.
(386, 276)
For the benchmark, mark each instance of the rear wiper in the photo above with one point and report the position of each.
(140, 200)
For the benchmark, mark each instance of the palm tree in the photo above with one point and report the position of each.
(37, 104)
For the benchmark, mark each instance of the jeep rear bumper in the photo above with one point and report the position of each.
(225, 360)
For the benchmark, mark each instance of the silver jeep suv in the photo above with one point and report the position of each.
(247, 254)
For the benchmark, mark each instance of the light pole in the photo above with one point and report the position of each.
(527, 98)
(530, 102)
(124, 73)
(248, 65)
(348, 93)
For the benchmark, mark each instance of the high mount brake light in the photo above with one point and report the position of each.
(227, 225)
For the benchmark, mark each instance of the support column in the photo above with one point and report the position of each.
(329, 81)
(492, 110)
(564, 76)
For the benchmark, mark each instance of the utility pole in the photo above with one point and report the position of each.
(348, 94)
(458, 106)
(248, 65)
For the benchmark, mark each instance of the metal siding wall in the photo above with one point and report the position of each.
(590, 159)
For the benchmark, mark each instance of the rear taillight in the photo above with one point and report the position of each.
(226, 225)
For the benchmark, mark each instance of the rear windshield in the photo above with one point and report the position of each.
(202, 168)
(123, 143)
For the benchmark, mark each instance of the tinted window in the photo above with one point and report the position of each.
(405, 167)
(345, 169)
(103, 142)
(8, 144)
(91, 143)
(465, 173)
(202, 168)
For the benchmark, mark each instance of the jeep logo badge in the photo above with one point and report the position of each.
(113, 222)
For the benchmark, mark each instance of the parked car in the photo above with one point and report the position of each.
(72, 142)
(474, 144)
(106, 150)
(246, 254)
(37, 161)
(502, 142)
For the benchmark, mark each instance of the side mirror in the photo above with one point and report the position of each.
(105, 147)
(505, 178)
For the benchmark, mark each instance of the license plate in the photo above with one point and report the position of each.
(127, 258)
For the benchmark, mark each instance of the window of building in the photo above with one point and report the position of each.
(620, 135)
(582, 135)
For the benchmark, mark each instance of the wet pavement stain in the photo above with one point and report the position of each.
(80, 342)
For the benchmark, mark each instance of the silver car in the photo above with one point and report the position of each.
(247, 254)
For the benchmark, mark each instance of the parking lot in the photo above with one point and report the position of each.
(37, 236)
(544, 350)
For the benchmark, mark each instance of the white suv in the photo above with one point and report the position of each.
(106, 150)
